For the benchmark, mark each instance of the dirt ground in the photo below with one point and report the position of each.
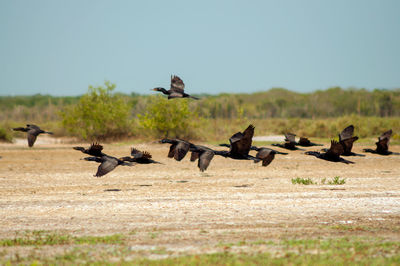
(173, 204)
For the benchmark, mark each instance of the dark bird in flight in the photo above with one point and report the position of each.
(290, 142)
(240, 144)
(382, 146)
(266, 155)
(176, 90)
(346, 139)
(141, 157)
(95, 150)
(203, 154)
(305, 142)
(332, 154)
(178, 149)
(32, 132)
(107, 164)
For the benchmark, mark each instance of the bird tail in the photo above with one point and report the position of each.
(48, 132)
(193, 97)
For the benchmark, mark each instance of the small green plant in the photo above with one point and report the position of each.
(302, 181)
(99, 115)
(337, 181)
(308, 181)
(153, 235)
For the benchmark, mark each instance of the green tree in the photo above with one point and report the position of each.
(98, 115)
(168, 118)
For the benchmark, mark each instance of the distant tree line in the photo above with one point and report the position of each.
(102, 113)
(274, 103)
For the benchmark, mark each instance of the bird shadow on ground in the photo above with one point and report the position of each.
(244, 185)
(112, 190)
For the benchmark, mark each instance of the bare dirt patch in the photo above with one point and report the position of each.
(174, 205)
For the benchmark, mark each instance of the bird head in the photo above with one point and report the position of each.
(158, 89)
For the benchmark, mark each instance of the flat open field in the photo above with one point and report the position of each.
(174, 206)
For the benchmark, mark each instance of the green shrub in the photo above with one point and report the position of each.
(168, 118)
(5, 134)
(98, 115)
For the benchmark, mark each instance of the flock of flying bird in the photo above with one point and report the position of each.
(240, 145)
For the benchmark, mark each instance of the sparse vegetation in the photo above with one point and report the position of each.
(302, 181)
(334, 251)
(337, 180)
(40, 238)
(99, 115)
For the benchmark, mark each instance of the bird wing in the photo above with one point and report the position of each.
(194, 156)
(181, 150)
(383, 141)
(266, 155)
(146, 155)
(304, 141)
(171, 152)
(346, 133)
(95, 149)
(31, 139)
(290, 137)
(382, 145)
(107, 165)
(234, 141)
(205, 159)
(245, 142)
(177, 84)
(33, 127)
(241, 142)
(386, 135)
(335, 150)
(175, 94)
(348, 144)
(136, 153)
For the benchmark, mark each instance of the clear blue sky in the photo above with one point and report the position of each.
(60, 47)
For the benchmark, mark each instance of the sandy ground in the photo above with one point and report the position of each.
(48, 187)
